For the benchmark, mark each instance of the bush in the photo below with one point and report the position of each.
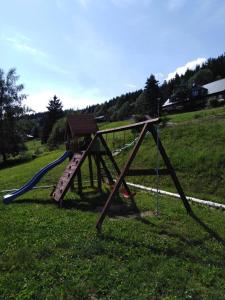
(57, 135)
(214, 102)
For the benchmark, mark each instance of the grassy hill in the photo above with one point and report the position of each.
(52, 253)
(195, 143)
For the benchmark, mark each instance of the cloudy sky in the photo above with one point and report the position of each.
(88, 51)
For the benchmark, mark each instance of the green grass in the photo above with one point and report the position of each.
(52, 253)
(196, 150)
(190, 116)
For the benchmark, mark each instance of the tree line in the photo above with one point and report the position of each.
(147, 100)
(16, 123)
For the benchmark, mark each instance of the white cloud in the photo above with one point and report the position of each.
(70, 99)
(21, 43)
(174, 5)
(131, 85)
(160, 77)
(190, 65)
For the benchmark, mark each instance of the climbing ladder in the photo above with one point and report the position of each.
(70, 172)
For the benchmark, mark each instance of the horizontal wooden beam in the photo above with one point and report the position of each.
(128, 127)
(144, 172)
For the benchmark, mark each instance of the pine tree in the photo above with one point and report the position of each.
(54, 113)
(147, 102)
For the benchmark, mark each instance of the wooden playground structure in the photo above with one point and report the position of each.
(94, 148)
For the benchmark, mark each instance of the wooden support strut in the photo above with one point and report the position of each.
(109, 153)
(99, 177)
(79, 181)
(120, 180)
(90, 171)
(171, 170)
(107, 172)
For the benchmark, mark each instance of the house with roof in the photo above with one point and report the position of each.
(216, 90)
(200, 96)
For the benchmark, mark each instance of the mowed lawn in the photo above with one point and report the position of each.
(52, 253)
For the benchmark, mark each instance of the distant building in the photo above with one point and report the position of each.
(216, 89)
(200, 95)
(198, 92)
(100, 119)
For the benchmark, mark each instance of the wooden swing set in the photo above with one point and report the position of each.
(95, 147)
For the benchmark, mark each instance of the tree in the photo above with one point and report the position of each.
(54, 113)
(147, 102)
(201, 77)
(57, 135)
(10, 111)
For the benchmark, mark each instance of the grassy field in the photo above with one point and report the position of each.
(52, 253)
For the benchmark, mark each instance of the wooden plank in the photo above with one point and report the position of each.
(128, 127)
(146, 172)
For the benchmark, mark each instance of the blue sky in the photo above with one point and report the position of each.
(88, 51)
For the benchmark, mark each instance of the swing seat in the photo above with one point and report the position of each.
(123, 192)
(126, 194)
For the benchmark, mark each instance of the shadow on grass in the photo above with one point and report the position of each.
(210, 256)
(90, 201)
(94, 201)
(14, 162)
(209, 230)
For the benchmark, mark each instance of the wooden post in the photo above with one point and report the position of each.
(90, 171)
(109, 153)
(79, 181)
(107, 172)
(121, 178)
(99, 176)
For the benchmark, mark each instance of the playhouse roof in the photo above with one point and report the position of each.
(81, 125)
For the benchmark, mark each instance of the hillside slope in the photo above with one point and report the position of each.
(195, 143)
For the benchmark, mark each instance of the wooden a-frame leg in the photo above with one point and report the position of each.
(90, 171)
(121, 178)
(79, 181)
(109, 153)
(107, 172)
(99, 177)
(171, 170)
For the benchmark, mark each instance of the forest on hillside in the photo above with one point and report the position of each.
(145, 100)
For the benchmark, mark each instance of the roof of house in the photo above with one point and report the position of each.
(215, 86)
(81, 125)
(169, 102)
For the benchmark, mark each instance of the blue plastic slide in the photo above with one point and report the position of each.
(30, 184)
